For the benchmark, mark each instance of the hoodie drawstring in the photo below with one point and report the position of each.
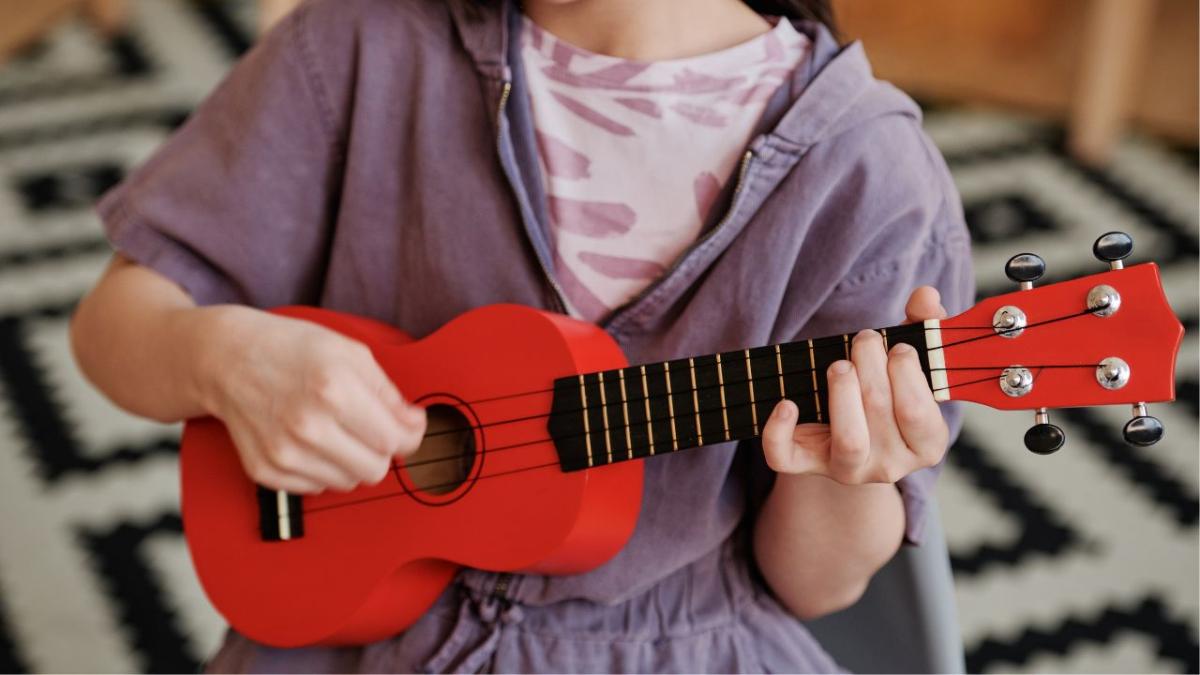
(457, 654)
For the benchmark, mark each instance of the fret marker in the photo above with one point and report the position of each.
(646, 400)
(753, 405)
(625, 409)
(670, 405)
(812, 368)
(587, 432)
(696, 402)
(779, 369)
(604, 416)
(937, 360)
(721, 386)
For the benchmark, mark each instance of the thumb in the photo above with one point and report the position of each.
(924, 303)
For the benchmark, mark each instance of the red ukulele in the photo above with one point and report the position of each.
(535, 418)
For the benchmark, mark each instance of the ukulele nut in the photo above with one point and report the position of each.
(1103, 300)
(1016, 381)
(1009, 321)
(1112, 373)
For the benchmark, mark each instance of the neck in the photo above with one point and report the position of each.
(639, 411)
(648, 30)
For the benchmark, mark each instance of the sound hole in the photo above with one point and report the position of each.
(447, 453)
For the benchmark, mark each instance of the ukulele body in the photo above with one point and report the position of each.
(370, 562)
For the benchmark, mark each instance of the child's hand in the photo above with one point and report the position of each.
(884, 423)
(307, 408)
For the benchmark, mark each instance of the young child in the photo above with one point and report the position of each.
(692, 175)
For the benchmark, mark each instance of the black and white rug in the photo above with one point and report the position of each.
(1085, 561)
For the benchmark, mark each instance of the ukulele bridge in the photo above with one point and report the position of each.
(280, 515)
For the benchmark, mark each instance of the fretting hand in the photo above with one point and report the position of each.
(884, 422)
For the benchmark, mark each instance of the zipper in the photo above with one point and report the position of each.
(743, 169)
(560, 303)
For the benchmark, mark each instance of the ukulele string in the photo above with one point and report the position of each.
(702, 411)
(404, 492)
(818, 343)
(904, 331)
(999, 332)
(771, 377)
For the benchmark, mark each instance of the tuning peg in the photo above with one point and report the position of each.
(1143, 429)
(1112, 248)
(1025, 268)
(1044, 438)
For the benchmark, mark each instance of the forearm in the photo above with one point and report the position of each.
(139, 339)
(818, 542)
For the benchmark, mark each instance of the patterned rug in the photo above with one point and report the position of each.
(1085, 561)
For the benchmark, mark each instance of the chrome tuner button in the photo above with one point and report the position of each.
(1009, 321)
(1103, 300)
(1112, 373)
(1016, 381)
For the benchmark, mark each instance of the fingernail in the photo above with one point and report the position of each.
(841, 367)
(786, 410)
(864, 334)
(902, 349)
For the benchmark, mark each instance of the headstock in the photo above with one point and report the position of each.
(1105, 339)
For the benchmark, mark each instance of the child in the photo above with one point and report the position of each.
(693, 175)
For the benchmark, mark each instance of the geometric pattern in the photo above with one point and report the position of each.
(1083, 561)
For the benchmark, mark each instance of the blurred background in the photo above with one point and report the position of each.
(1060, 120)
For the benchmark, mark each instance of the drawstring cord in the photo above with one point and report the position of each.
(457, 654)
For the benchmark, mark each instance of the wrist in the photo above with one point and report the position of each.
(210, 336)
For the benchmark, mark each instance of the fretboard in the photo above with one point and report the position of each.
(645, 410)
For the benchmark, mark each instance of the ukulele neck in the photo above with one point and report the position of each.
(645, 410)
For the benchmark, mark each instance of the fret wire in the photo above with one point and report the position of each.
(812, 363)
(883, 332)
(625, 408)
(649, 427)
(604, 415)
(587, 432)
(696, 401)
(779, 369)
(750, 380)
(670, 405)
(698, 413)
(721, 388)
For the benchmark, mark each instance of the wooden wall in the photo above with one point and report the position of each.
(1031, 54)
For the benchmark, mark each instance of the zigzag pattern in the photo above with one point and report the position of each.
(1053, 556)
(1149, 617)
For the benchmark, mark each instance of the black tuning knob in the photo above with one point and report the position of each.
(1025, 268)
(1143, 430)
(1044, 438)
(1112, 248)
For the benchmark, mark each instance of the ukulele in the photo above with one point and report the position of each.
(535, 421)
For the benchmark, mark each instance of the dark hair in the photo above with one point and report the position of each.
(814, 10)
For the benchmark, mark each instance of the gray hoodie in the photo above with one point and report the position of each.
(378, 157)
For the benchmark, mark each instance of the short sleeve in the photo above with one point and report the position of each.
(898, 224)
(924, 244)
(236, 207)
(876, 296)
